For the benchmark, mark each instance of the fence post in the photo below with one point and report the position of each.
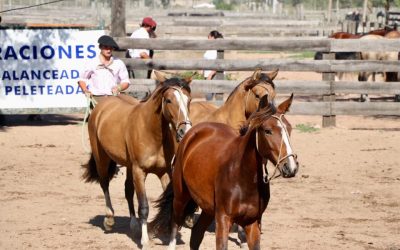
(219, 76)
(329, 120)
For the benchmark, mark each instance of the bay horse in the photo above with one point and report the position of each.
(223, 173)
(241, 102)
(137, 135)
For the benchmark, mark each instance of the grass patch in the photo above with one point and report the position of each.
(306, 128)
(303, 55)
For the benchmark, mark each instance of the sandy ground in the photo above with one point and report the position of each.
(345, 196)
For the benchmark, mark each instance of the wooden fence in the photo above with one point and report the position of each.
(327, 88)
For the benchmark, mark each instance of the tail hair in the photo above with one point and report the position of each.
(162, 221)
(90, 173)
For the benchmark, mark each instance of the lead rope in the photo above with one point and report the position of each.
(89, 101)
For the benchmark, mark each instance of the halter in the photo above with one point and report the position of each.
(183, 122)
(280, 158)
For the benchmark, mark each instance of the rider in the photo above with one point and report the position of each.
(106, 75)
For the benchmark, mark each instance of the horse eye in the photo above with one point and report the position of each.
(268, 132)
(167, 101)
(257, 96)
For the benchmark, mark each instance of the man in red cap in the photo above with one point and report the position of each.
(146, 31)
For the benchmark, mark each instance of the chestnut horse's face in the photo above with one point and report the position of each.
(176, 103)
(274, 139)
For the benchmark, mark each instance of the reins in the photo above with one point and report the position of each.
(280, 159)
(90, 101)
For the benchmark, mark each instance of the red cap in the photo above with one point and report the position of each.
(149, 22)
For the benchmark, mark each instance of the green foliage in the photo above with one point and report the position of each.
(306, 128)
(221, 5)
(303, 55)
(194, 74)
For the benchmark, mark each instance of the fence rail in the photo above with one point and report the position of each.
(326, 88)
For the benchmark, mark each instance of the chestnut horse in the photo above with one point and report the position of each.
(137, 135)
(242, 101)
(224, 174)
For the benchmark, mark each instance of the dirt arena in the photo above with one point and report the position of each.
(345, 196)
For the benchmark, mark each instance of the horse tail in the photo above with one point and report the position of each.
(90, 171)
(162, 221)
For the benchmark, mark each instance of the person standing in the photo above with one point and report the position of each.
(147, 30)
(106, 75)
(212, 55)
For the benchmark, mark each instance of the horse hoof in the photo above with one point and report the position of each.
(108, 223)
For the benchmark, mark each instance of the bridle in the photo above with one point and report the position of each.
(281, 158)
(179, 123)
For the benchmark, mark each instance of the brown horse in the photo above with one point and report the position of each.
(242, 101)
(223, 173)
(344, 35)
(138, 136)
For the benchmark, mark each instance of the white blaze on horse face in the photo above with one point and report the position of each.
(183, 106)
(289, 150)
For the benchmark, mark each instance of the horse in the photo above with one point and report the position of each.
(342, 55)
(344, 35)
(223, 173)
(375, 55)
(241, 102)
(137, 135)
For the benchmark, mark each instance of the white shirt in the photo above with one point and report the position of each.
(140, 33)
(209, 55)
(100, 79)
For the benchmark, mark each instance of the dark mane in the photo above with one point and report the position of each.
(172, 82)
(263, 78)
(257, 118)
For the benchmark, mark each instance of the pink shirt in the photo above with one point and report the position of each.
(100, 78)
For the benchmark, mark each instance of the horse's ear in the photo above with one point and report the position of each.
(264, 102)
(284, 106)
(161, 77)
(254, 79)
(256, 75)
(188, 80)
(273, 74)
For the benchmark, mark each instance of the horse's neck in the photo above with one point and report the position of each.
(249, 156)
(251, 165)
(232, 112)
(152, 116)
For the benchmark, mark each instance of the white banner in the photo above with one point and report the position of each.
(40, 68)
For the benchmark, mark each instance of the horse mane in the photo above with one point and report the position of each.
(257, 118)
(161, 88)
(263, 78)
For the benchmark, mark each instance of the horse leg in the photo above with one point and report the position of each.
(241, 234)
(106, 169)
(104, 183)
(253, 236)
(139, 177)
(129, 191)
(198, 230)
(222, 227)
(165, 180)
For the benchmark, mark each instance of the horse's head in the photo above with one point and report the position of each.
(175, 103)
(273, 136)
(257, 86)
